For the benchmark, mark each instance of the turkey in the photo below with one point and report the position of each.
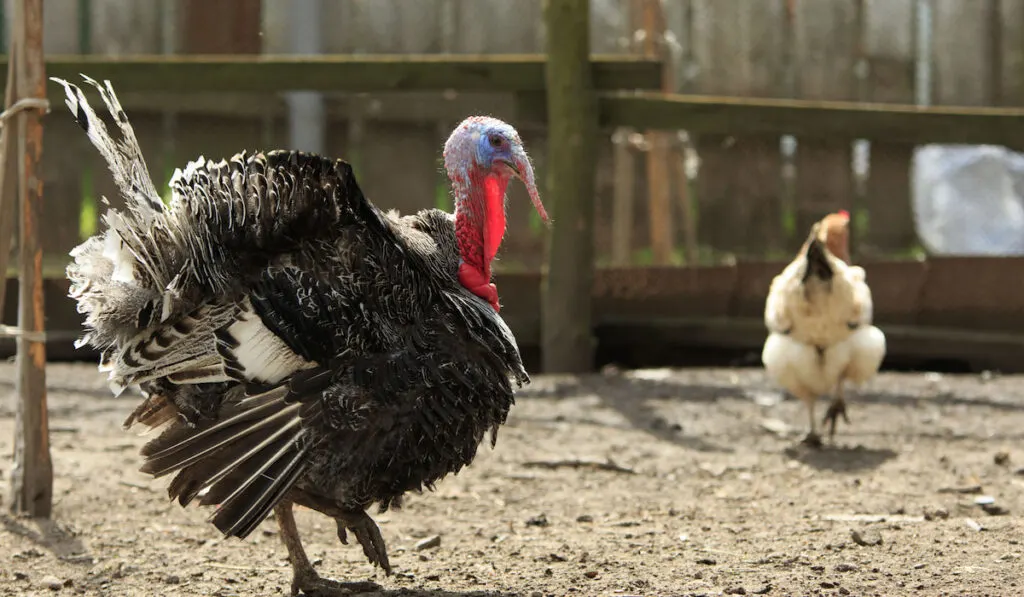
(294, 344)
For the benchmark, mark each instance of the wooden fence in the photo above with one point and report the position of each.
(849, 50)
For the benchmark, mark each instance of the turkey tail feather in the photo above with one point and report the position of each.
(245, 461)
(124, 157)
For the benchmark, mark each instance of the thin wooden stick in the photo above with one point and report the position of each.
(32, 477)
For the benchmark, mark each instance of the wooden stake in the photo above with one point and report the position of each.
(659, 188)
(32, 476)
(567, 342)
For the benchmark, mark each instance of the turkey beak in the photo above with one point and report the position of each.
(523, 170)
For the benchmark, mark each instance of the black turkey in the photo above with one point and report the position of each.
(294, 343)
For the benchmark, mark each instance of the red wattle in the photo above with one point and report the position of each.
(476, 282)
(494, 213)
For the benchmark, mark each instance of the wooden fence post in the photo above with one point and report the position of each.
(32, 475)
(566, 337)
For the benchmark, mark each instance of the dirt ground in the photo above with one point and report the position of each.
(713, 498)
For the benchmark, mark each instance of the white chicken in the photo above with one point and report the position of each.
(819, 319)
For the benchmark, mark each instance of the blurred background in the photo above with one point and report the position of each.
(739, 205)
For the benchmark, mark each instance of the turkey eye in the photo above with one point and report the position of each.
(495, 141)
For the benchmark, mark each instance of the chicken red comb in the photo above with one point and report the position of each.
(844, 213)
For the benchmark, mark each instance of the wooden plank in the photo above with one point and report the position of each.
(270, 74)
(962, 54)
(32, 473)
(567, 345)
(826, 43)
(740, 214)
(1011, 74)
(888, 53)
(810, 119)
(739, 50)
(623, 199)
(221, 26)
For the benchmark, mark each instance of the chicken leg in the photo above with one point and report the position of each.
(304, 578)
(835, 410)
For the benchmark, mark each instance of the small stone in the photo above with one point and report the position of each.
(52, 582)
(844, 591)
(918, 566)
(698, 575)
(995, 510)
(817, 568)
(541, 520)
(428, 543)
(18, 575)
(984, 500)
(846, 567)
(1002, 458)
(937, 513)
(584, 518)
(735, 591)
(973, 524)
(867, 537)
(706, 561)
(764, 590)
(828, 585)
(536, 594)
(172, 579)
(433, 577)
(590, 574)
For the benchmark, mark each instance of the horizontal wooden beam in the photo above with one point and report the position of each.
(814, 119)
(362, 73)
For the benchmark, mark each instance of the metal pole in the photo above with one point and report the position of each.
(306, 113)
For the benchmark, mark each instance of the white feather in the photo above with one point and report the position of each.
(260, 353)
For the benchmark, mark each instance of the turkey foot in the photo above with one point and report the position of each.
(835, 410)
(368, 535)
(305, 580)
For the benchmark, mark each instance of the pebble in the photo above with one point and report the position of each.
(866, 537)
(590, 574)
(52, 582)
(1002, 458)
(584, 518)
(172, 579)
(764, 590)
(846, 567)
(536, 594)
(937, 513)
(984, 500)
(428, 543)
(973, 524)
(541, 520)
(706, 561)
(828, 585)
(844, 591)
(735, 591)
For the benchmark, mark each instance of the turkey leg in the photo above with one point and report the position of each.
(835, 410)
(304, 578)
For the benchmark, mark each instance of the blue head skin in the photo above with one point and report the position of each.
(481, 145)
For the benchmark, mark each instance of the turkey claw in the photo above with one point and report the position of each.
(368, 535)
(311, 584)
(835, 410)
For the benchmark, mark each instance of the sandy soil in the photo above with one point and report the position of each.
(714, 499)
